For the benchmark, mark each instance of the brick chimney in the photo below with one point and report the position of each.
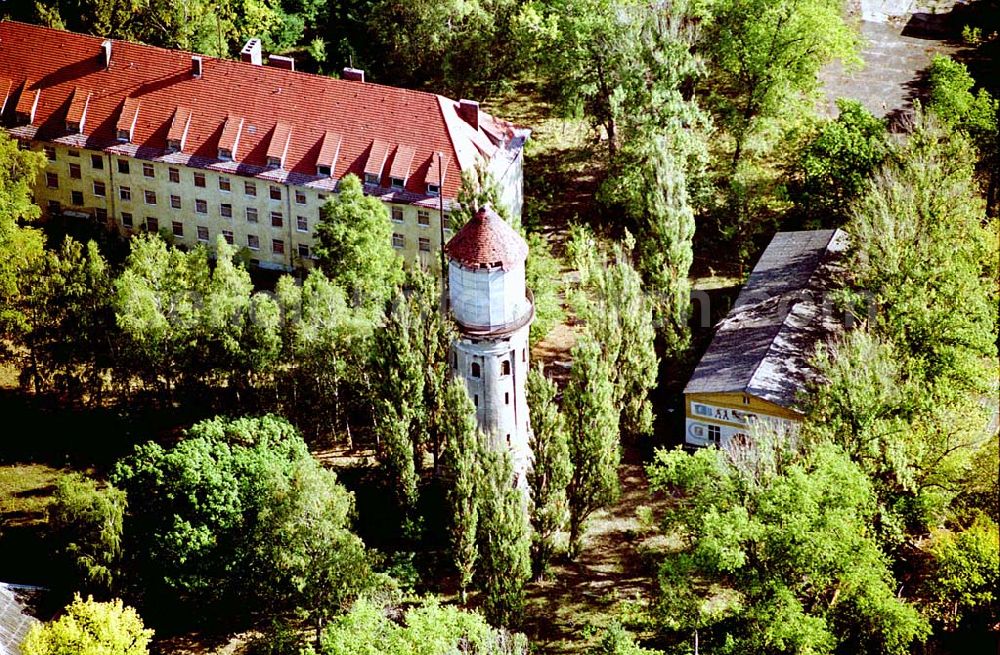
(469, 111)
(281, 62)
(251, 52)
(354, 74)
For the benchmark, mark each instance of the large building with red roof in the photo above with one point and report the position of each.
(155, 139)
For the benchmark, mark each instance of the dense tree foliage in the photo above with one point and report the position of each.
(463, 479)
(90, 628)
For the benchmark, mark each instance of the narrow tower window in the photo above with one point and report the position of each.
(505, 367)
(475, 370)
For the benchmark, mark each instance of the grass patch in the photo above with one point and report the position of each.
(25, 493)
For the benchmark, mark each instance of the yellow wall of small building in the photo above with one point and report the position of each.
(214, 197)
(736, 401)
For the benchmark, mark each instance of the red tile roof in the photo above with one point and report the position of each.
(179, 124)
(6, 86)
(130, 112)
(280, 139)
(55, 62)
(401, 162)
(487, 240)
(329, 150)
(230, 138)
(376, 158)
(27, 103)
(77, 112)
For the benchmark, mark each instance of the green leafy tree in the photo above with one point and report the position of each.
(551, 469)
(543, 275)
(354, 245)
(463, 479)
(780, 538)
(504, 538)
(85, 527)
(90, 628)
(616, 640)
(837, 162)
(592, 428)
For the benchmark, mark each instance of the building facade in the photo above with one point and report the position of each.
(493, 311)
(759, 361)
(144, 138)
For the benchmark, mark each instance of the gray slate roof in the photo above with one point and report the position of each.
(15, 617)
(764, 346)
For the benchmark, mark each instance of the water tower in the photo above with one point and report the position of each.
(493, 310)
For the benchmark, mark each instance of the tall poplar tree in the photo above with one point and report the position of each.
(463, 473)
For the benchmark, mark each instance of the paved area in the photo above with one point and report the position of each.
(900, 38)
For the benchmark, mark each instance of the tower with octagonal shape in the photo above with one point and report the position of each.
(493, 311)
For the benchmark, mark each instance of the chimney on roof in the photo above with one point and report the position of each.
(106, 53)
(354, 74)
(281, 62)
(251, 52)
(469, 111)
(196, 69)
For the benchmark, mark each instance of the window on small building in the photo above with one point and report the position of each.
(251, 214)
(77, 198)
(277, 219)
(715, 434)
(174, 175)
(74, 171)
(304, 251)
(277, 246)
(425, 244)
(746, 400)
(371, 178)
(423, 218)
(476, 370)
(99, 189)
(224, 184)
(175, 202)
(201, 206)
(202, 234)
(123, 166)
(301, 223)
(178, 228)
(250, 189)
(150, 197)
(228, 236)
(126, 219)
(226, 210)
(505, 367)
(152, 224)
(148, 170)
(73, 153)
(396, 182)
(433, 189)
(300, 197)
(199, 180)
(398, 240)
(275, 192)
(397, 214)
(52, 180)
(97, 162)
(50, 152)
(253, 242)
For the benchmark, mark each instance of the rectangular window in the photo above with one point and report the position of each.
(715, 434)
(101, 214)
(277, 219)
(304, 251)
(423, 218)
(199, 180)
(126, 219)
(74, 171)
(77, 198)
(97, 162)
(371, 178)
(174, 175)
(148, 170)
(152, 224)
(433, 189)
(275, 192)
(250, 189)
(300, 197)
(201, 206)
(54, 207)
(150, 197)
(397, 214)
(99, 189)
(277, 246)
(202, 234)
(123, 166)
(224, 184)
(396, 182)
(125, 193)
(301, 223)
(425, 244)
(175, 202)
(73, 153)
(251, 214)
(52, 180)
(50, 153)
(398, 240)
(226, 210)
(178, 229)
(253, 242)
(228, 236)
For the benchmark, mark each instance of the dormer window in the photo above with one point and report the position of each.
(123, 136)
(225, 154)
(72, 126)
(371, 178)
(323, 170)
(173, 145)
(396, 182)
(433, 190)
(273, 162)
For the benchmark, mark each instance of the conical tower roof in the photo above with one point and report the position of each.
(487, 240)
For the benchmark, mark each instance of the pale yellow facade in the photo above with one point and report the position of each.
(277, 230)
(715, 418)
